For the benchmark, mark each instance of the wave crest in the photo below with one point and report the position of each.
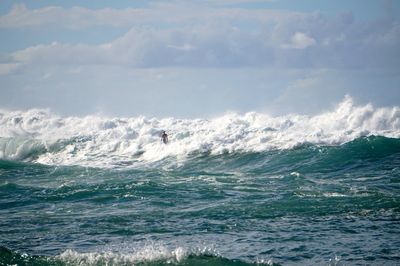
(148, 254)
(40, 136)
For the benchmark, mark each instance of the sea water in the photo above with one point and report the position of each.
(238, 189)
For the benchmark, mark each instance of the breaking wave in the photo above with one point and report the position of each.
(148, 255)
(43, 137)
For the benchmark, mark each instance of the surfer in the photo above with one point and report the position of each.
(164, 137)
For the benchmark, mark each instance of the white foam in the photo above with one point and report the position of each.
(102, 141)
(131, 255)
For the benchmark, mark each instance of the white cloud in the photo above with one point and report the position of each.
(204, 46)
(8, 68)
(184, 47)
(60, 54)
(167, 34)
(300, 41)
(78, 18)
(74, 18)
(208, 59)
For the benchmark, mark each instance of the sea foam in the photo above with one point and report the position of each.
(134, 254)
(41, 136)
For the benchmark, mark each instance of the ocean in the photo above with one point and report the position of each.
(237, 189)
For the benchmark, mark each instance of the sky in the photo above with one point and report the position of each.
(198, 59)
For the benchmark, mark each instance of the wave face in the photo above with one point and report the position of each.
(39, 136)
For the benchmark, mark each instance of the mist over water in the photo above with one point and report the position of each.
(238, 189)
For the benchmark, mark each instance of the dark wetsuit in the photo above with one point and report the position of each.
(164, 138)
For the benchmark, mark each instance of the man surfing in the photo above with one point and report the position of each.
(164, 137)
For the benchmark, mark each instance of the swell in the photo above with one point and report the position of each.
(308, 171)
(372, 151)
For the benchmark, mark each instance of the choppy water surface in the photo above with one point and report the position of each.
(319, 202)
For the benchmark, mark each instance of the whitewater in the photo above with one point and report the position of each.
(42, 137)
(236, 189)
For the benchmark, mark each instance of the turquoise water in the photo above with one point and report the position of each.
(306, 205)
